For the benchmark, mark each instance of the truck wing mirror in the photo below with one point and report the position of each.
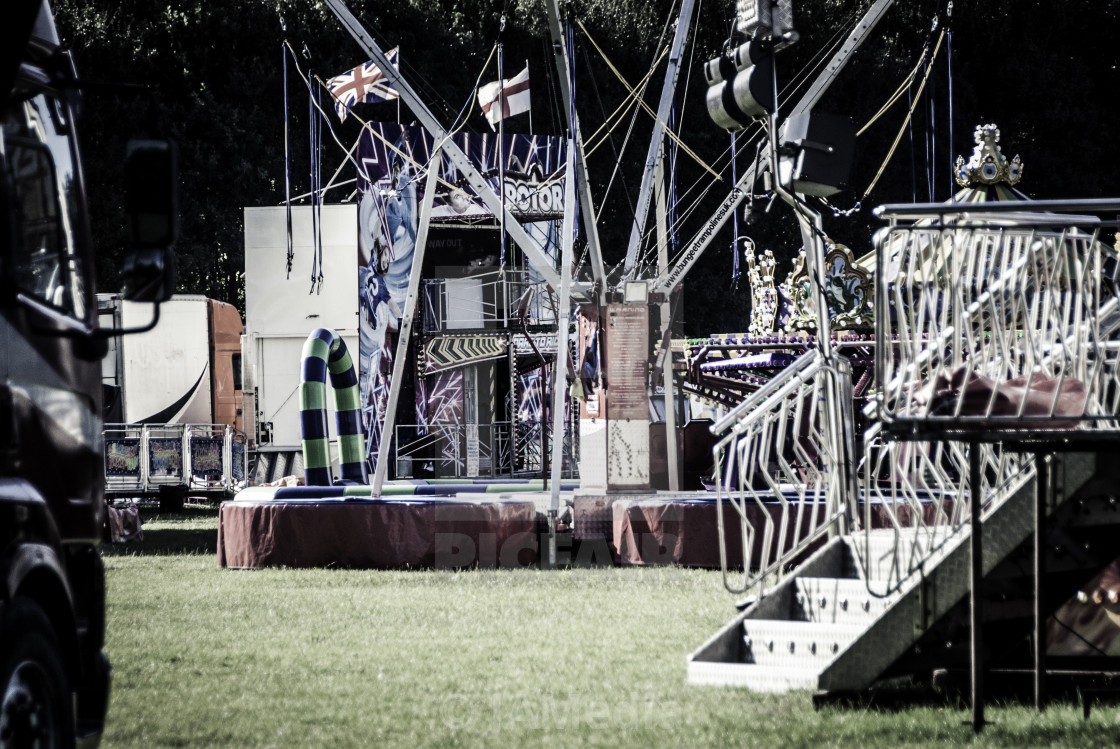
(149, 274)
(152, 202)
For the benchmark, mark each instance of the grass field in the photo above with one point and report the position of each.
(206, 657)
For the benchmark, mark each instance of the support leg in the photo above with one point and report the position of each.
(1041, 494)
(975, 492)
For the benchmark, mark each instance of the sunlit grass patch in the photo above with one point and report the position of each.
(204, 656)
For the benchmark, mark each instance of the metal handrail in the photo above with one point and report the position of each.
(1013, 309)
(924, 504)
(1002, 295)
(782, 439)
(447, 445)
(499, 293)
(918, 211)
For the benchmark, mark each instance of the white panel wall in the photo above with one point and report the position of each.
(464, 303)
(279, 311)
(276, 304)
(593, 453)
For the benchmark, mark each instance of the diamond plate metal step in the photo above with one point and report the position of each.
(889, 555)
(797, 644)
(833, 600)
(801, 635)
(773, 679)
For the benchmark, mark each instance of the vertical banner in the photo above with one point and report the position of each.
(392, 162)
(439, 414)
(530, 409)
(387, 226)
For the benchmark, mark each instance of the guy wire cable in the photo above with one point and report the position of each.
(676, 118)
(629, 103)
(421, 168)
(642, 103)
(907, 125)
(284, 49)
(403, 62)
(664, 44)
(909, 115)
(949, 72)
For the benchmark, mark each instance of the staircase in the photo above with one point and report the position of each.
(271, 463)
(839, 622)
(897, 560)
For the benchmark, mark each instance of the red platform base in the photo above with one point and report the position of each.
(385, 533)
(685, 532)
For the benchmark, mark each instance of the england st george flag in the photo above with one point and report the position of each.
(515, 97)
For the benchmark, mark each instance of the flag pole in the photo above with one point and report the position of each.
(530, 104)
(501, 104)
(501, 146)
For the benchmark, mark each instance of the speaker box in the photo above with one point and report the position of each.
(817, 152)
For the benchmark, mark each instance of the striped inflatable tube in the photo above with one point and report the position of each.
(326, 351)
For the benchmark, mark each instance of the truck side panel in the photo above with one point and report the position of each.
(166, 371)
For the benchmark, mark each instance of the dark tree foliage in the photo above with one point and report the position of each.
(1045, 73)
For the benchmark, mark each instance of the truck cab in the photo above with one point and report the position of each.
(54, 677)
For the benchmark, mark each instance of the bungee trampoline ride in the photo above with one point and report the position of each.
(895, 439)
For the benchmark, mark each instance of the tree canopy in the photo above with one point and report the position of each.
(1046, 76)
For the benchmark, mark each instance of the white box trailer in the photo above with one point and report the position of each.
(163, 374)
(281, 310)
(173, 397)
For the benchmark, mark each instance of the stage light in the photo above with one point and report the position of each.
(764, 17)
(635, 292)
(741, 85)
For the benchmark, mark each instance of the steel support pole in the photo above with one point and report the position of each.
(661, 200)
(583, 187)
(668, 91)
(560, 368)
(404, 331)
(666, 282)
(976, 575)
(1041, 497)
(537, 258)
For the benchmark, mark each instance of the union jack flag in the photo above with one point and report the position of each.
(365, 83)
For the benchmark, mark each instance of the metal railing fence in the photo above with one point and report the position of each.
(202, 457)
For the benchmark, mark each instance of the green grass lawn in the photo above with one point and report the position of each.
(204, 656)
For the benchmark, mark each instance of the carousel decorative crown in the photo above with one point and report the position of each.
(988, 165)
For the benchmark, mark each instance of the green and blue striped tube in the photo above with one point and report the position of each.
(324, 352)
